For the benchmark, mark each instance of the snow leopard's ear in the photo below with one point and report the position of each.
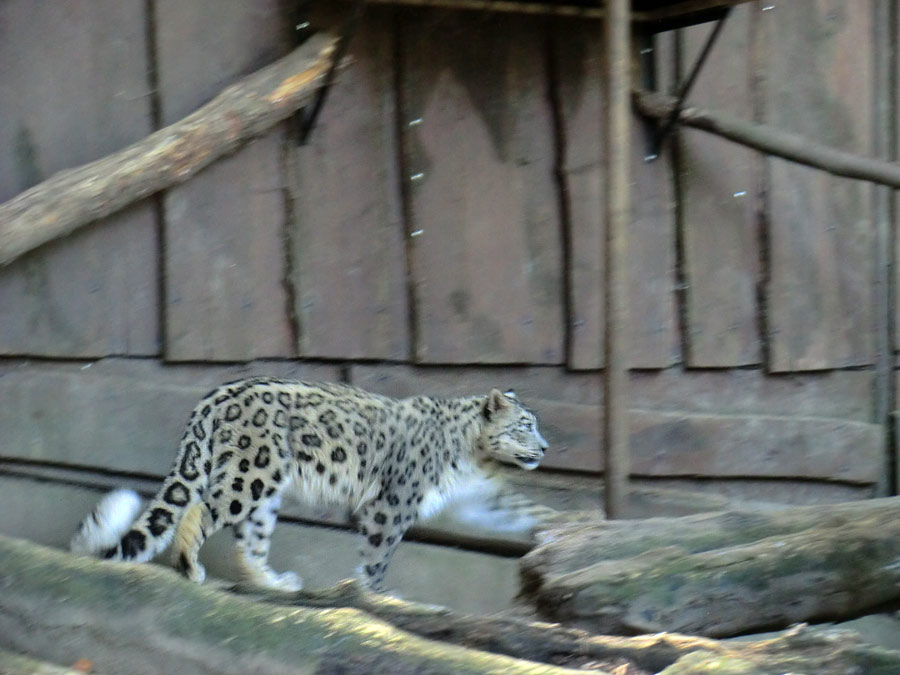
(496, 401)
(509, 393)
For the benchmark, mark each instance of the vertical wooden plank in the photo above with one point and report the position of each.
(73, 88)
(348, 244)
(579, 57)
(718, 182)
(884, 116)
(895, 202)
(819, 72)
(486, 249)
(224, 229)
(653, 339)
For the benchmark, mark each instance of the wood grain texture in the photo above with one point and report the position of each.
(895, 197)
(479, 153)
(225, 294)
(719, 183)
(743, 423)
(845, 395)
(764, 490)
(755, 446)
(578, 58)
(348, 243)
(819, 83)
(82, 95)
(224, 249)
(120, 415)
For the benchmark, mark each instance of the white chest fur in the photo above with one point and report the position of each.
(462, 487)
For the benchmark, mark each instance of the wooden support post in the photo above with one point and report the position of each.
(618, 216)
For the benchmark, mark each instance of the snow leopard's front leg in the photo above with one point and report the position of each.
(382, 525)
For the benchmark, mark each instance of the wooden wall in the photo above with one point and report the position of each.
(442, 233)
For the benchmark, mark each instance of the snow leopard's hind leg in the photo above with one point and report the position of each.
(253, 537)
(195, 527)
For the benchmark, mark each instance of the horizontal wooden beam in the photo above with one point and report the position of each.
(73, 198)
(682, 424)
(767, 139)
(680, 12)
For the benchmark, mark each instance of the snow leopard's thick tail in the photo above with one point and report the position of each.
(111, 531)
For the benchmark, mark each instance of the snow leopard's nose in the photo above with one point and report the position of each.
(543, 443)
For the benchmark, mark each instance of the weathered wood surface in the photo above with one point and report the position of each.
(838, 395)
(80, 95)
(118, 414)
(718, 574)
(145, 616)
(680, 444)
(710, 424)
(651, 257)
(348, 241)
(225, 259)
(76, 197)
(139, 619)
(486, 251)
(796, 491)
(894, 134)
(818, 82)
(719, 196)
(578, 81)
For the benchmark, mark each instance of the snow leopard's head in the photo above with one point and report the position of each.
(510, 431)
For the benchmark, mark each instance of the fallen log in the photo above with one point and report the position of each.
(73, 198)
(718, 574)
(801, 649)
(575, 540)
(137, 619)
(64, 609)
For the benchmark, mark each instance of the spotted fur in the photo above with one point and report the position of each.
(249, 443)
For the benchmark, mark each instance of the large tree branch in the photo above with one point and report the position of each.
(244, 110)
(772, 141)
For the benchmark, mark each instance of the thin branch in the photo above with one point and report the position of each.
(784, 144)
(75, 197)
